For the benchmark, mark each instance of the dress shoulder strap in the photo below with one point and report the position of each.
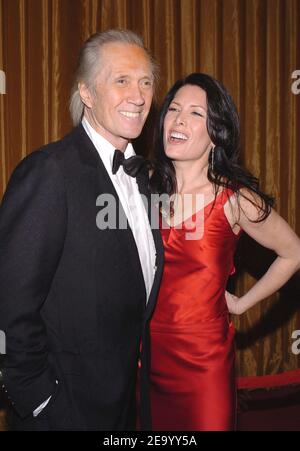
(224, 195)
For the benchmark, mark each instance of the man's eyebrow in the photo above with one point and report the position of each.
(126, 75)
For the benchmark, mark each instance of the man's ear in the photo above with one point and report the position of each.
(85, 95)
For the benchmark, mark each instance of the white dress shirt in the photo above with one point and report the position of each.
(132, 203)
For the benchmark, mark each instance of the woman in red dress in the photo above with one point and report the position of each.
(213, 200)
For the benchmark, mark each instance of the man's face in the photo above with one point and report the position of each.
(119, 104)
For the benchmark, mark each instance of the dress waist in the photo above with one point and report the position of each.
(220, 322)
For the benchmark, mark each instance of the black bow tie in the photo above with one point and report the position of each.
(131, 165)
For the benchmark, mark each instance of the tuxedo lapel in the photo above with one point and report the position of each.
(104, 185)
(142, 181)
(90, 157)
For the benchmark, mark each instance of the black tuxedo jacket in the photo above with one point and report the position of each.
(72, 297)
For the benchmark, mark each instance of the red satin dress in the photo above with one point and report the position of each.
(192, 338)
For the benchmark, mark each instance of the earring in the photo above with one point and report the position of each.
(212, 159)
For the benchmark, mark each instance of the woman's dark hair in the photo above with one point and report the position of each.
(224, 131)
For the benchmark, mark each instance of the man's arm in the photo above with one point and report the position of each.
(32, 231)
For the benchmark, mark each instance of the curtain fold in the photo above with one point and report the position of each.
(252, 46)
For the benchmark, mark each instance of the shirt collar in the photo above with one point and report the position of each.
(105, 149)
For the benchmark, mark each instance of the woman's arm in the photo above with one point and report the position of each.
(273, 233)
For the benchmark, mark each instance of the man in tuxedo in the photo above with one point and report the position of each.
(76, 297)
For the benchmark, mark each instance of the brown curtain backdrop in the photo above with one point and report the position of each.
(252, 46)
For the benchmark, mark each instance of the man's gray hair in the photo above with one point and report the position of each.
(89, 64)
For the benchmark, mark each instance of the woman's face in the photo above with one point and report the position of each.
(185, 130)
